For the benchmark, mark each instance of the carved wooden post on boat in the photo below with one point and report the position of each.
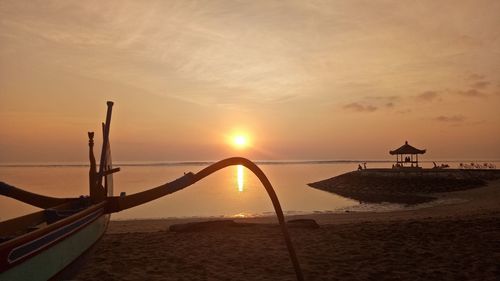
(94, 191)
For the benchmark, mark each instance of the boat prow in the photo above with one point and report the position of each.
(40, 245)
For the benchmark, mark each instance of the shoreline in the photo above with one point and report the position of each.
(467, 202)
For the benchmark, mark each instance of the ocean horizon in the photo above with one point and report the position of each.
(258, 162)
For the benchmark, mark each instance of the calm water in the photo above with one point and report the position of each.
(234, 191)
(231, 192)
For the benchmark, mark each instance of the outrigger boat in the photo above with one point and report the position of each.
(41, 245)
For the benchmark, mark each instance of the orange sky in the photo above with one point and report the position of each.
(304, 79)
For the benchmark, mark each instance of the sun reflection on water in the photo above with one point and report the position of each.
(240, 177)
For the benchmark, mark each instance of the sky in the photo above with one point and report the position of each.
(301, 79)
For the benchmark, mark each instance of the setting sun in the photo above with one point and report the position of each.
(240, 141)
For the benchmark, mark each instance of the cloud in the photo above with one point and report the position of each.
(383, 98)
(264, 51)
(451, 119)
(376, 102)
(472, 93)
(480, 85)
(404, 111)
(427, 96)
(476, 77)
(360, 107)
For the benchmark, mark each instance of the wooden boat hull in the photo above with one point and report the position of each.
(47, 254)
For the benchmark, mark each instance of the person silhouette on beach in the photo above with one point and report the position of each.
(359, 167)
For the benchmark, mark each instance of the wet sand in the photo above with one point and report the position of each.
(459, 241)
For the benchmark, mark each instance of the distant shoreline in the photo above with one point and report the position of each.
(202, 163)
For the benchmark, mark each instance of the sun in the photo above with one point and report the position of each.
(240, 141)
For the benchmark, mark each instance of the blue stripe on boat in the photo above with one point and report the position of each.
(44, 241)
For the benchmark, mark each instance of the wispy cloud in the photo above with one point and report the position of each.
(476, 76)
(259, 51)
(473, 93)
(384, 98)
(372, 103)
(451, 119)
(404, 111)
(480, 85)
(427, 96)
(357, 107)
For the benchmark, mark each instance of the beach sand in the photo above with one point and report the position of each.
(456, 241)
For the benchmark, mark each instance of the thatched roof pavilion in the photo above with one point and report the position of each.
(408, 161)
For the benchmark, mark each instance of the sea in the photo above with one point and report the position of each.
(229, 193)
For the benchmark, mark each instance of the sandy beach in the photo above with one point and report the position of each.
(459, 240)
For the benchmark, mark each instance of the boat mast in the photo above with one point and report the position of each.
(98, 191)
(105, 143)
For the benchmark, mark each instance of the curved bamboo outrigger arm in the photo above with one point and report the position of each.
(37, 200)
(116, 204)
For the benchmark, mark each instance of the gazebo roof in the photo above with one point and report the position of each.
(407, 149)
